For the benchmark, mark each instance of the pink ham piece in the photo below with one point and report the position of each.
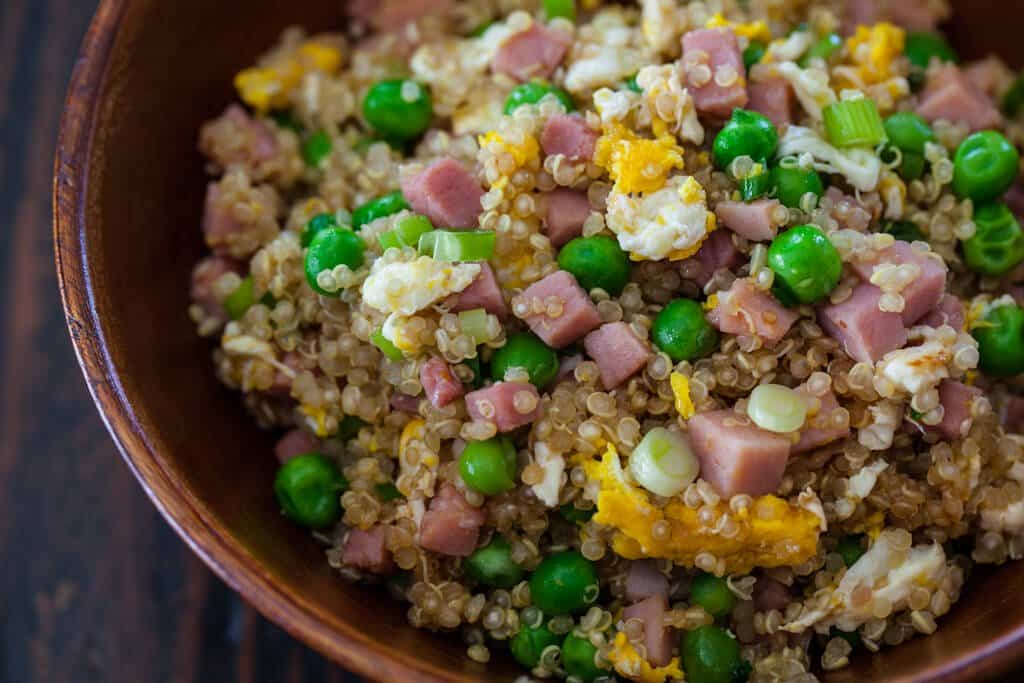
(252, 140)
(988, 75)
(294, 443)
(1011, 414)
(533, 53)
(570, 136)
(497, 404)
(439, 383)
(657, 636)
(576, 313)
(949, 311)
(754, 220)
(565, 212)
(819, 429)
(848, 211)
(718, 49)
(644, 580)
(737, 456)
(921, 295)
(745, 310)
(367, 550)
(405, 403)
(865, 332)
(773, 98)
(618, 352)
(451, 526)
(446, 193)
(282, 385)
(859, 13)
(956, 399)
(913, 15)
(717, 253)
(949, 95)
(390, 15)
(204, 275)
(484, 292)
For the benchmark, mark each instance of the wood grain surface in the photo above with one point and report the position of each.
(94, 586)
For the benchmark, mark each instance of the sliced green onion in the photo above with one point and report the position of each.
(631, 84)
(560, 8)
(777, 408)
(755, 186)
(387, 348)
(663, 462)
(447, 245)
(854, 123)
(825, 47)
(406, 233)
(474, 323)
(912, 166)
(239, 301)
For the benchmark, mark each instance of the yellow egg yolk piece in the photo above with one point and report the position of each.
(628, 662)
(637, 164)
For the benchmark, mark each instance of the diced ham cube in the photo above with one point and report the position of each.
(566, 211)
(446, 193)
(770, 594)
(773, 98)
(950, 95)
(618, 352)
(716, 253)
(439, 382)
(294, 443)
(848, 211)
(368, 550)
(644, 580)
(570, 136)
(657, 636)
(533, 53)
(819, 429)
(949, 311)
(990, 75)
(236, 138)
(390, 15)
(736, 456)
(239, 217)
(451, 526)
(204, 276)
(924, 292)
(405, 403)
(860, 13)
(575, 314)
(754, 220)
(484, 292)
(865, 332)
(498, 404)
(1011, 414)
(956, 399)
(913, 15)
(745, 310)
(717, 49)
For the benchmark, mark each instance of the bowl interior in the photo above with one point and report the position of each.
(129, 194)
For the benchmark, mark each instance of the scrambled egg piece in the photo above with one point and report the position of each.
(772, 533)
(268, 87)
(615, 106)
(861, 167)
(605, 54)
(670, 223)
(873, 49)
(317, 416)
(523, 151)
(681, 389)
(395, 331)
(810, 85)
(405, 287)
(553, 466)
(635, 163)
(916, 368)
(661, 24)
(756, 30)
(629, 663)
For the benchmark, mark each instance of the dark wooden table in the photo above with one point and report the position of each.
(94, 585)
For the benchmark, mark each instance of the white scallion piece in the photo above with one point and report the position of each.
(777, 408)
(663, 462)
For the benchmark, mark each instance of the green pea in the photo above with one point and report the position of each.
(492, 565)
(387, 492)
(525, 350)
(908, 131)
(308, 489)
(984, 167)
(533, 92)
(806, 265)
(746, 134)
(792, 183)
(564, 583)
(576, 515)
(578, 659)
(596, 261)
(565, 9)
(823, 48)
(997, 245)
(906, 231)
(240, 300)
(529, 644)
(1001, 341)
(921, 46)
(398, 109)
(713, 594)
(1013, 100)
(850, 549)
(711, 655)
(331, 248)
(316, 148)
(489, 467)
(316, 224)
(755, 186)
(349, 427)
(385, 205)
(682, 331)
(753, 54)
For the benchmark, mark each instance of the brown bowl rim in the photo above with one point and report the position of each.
(340, 641)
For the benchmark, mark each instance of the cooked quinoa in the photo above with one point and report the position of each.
(650, 340)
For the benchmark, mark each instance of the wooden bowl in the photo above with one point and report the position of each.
(128, 195)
